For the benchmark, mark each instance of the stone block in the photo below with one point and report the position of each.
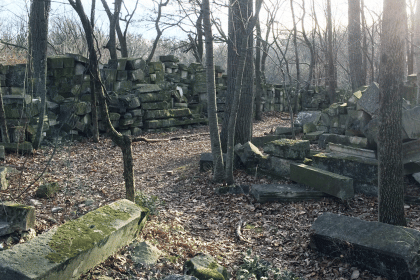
(168, 58)
(17, 216)
(307, 116)
(2, 155)
(135, 63)
(123, 86)
(287, 148)
(284, 193)
(129, 101)
(47, 190)
(156, 105)
(321, 180)
(387, 250)
(67, 251)
(262, 140)
(136, 75)
(248, 153)
(363, 171)
(284, 130)
(122, 75)
(170, 113)
(275, 166)
(206, 162)
(110, 75)
(144, 253)
(205, 267)
(410, 122)
(313, 136)
(309, 127)
(24, 99)
(4, 183)
(154, 97)
(351, 151)
(22, 148)
(152, 124)
(354, 141)
(369, 102)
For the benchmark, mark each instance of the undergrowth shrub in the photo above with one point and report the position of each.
(254, 268)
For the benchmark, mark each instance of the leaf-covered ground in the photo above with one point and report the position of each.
(192, 218)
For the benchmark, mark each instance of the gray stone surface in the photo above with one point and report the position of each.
(262, 140)
(351, 151)
(354, 141)
(364, 171)
(306, 117)
(67, 251)
(205, 267)
(286, 148)
(275, 166)
(4, 183)
(387, 250)
(324, 181)
(369, 102)
(249, 154)
(144, 253)
(284, 193)
(411, 122)
(17, 216)
(285, 130)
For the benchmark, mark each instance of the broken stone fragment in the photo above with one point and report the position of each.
(249, 154)
(205, 267)
(144, 253)
(47, 190)
(287, 148)
(15, 216)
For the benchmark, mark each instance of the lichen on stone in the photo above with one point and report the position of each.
(81, 234)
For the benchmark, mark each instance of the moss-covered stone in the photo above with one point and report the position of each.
(287, 148)
(205, 267)
(163, 114)
(47, 190)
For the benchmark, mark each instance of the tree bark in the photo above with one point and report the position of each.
(122, 141)
(365, 46)
(391, 78)
(330, 56)
(158, 30)
(239, 14)
(3, 122)
(93, 93)
(297, 62)
(216, 149)
(354, 45)
(417, 49)
(38, 40)
(237, 96)
(258, 80)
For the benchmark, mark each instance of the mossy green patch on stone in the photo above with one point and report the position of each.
(81, 234)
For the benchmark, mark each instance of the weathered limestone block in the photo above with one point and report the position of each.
(364, 171)
(312, 136)
(287, 148)
(284, 193)
(16, 216)
(123, 86)
(78, 108)
(156, 105)
(71, 249)
(248, 153)
(369, 102)
(135, 63)
(306, 117)
(122, 75)
(205, 267)
(170, 113)
(387, 250)
(262, 140)
(275, 166)
(281, 130)
(410, 122)
(354, 141)
(130, 101)
(168, 58)
(144, 253)
(154, 97)
(136, 75)
(24, 147)
(324, 181)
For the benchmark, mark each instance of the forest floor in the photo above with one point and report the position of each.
(192, 217)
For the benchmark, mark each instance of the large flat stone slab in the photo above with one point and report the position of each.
(288, 148)
(324, 181)
(67, 251)
(351, 151)
(364, 171)
(354, 141)
(387, 250)
(410, 122)
(14, 216)
(369, 102)
(284, 193)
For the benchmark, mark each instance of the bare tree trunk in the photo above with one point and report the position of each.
(417, 49)
(258, 80)
(354, 45)
(237, 96)
(216, 149)
(365, 46)
(4, 132)
(311, 50)
(123, 141)
(158, 30)
(391, 78)
(330, 56)
(93, 93)
(112, 43)
(38, 39)
(297, 62)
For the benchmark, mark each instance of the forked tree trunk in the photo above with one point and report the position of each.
(216, 149)
(122, 141)
(391, 78)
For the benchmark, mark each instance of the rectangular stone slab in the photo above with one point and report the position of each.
(17, 216)
(352, 151)
(384, 249)
(284, 193)
(321, 180)
(65, 252)
(411, 151)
